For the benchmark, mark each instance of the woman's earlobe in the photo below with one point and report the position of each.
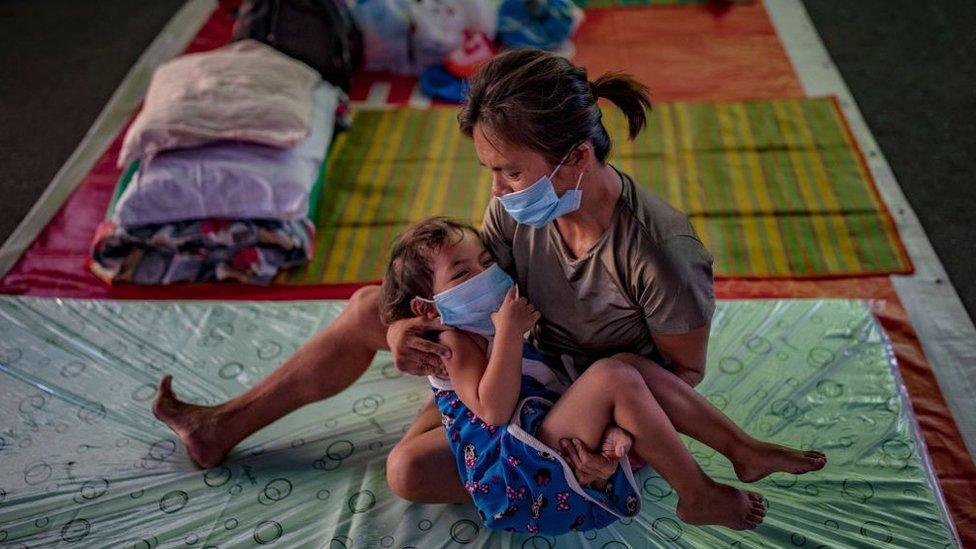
(584, 155)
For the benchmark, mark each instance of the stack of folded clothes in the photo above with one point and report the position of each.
(224, 166)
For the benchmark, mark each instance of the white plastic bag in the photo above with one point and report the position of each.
(407, 36)
(385, 26)
(439, 27)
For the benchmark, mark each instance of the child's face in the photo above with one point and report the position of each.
(453, 265)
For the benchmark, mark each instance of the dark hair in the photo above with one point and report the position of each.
(544, 102)
(409, 273)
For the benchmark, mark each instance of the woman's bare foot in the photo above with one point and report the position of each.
(194, 424)
(759, 460)
(723, 505)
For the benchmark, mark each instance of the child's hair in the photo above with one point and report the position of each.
(409, 273)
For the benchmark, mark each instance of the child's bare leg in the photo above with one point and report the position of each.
(587, 407)
(693, 415)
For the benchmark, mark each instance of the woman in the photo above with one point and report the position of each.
(618, 275)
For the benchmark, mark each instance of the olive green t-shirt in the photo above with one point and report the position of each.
(647, 274)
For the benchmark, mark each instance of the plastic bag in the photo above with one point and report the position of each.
(542, 24)
(408, 36)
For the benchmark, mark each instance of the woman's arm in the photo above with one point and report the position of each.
(490, 388)
(678, 298)
(685, 353)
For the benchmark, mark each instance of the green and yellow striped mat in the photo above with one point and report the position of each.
(774, 188)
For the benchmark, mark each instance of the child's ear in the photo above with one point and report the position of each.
(423, 309)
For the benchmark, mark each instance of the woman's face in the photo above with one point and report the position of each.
(514, 168)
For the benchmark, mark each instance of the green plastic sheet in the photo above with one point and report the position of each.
(84, 463)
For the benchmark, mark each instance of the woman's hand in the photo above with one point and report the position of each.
(414, 354)
(516, 313)
(591, 468)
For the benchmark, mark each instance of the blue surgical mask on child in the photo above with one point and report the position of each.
(538, 204)
(469, 305)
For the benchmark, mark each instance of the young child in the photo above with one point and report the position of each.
(503, 412)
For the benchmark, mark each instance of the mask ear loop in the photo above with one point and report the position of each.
(556, 169)
(429, 301)
(563, 161)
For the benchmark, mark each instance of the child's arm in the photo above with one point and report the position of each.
(490, 387)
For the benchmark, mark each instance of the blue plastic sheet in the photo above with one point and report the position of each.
(84, 462)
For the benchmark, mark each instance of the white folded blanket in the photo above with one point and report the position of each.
(246, 91)
(232, 180)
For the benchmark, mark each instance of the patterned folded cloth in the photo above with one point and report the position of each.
(248, 251)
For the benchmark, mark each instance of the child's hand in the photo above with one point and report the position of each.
(516, 313)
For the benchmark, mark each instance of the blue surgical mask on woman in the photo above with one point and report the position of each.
(469, 305)
(538, 204)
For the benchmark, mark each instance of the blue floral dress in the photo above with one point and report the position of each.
(518, 483)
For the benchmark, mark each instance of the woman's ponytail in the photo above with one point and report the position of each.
(629, 95)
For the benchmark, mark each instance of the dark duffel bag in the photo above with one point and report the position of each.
(320, 33)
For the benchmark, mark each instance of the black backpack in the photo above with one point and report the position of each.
(320, 33)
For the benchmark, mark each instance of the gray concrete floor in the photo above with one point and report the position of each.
(60, 61)
(910, 66)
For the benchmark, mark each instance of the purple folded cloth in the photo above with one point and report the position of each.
(232, 180)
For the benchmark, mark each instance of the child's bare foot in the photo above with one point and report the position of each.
(594, 469)
(616, 442)
(194, 424)
(723, 505)
(763, 458)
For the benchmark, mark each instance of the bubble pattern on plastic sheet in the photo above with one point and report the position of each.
(83, 462)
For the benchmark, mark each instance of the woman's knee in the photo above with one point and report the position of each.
(363, 314)
(615, 373)
(647, 367)
(405, 472)
(366, 300)
(635, 359)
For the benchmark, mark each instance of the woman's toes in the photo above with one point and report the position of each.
(165, 386)
(164, 397)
